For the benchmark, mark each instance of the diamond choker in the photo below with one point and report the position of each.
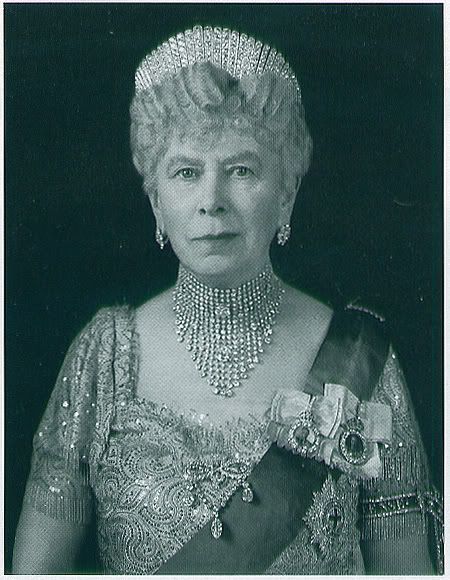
(226, 330)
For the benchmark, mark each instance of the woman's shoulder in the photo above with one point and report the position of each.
(305, 310)
(305, 307)
(107, 315)
(156, 309)
(117, 323)
(349, 336)
(108, 327)
(107, 320)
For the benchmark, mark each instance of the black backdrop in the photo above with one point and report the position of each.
(368, 222)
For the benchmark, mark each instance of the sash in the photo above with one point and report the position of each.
(254, 534)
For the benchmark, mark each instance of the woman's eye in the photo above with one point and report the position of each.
(187, 173)
(242, 171)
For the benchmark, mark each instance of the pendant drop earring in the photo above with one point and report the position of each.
(161, 239)
(283, 234)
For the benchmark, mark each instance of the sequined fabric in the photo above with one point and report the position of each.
(404, 467)
(97, 444)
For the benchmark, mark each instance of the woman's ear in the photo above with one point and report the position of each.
(288, 198)
(154, 202)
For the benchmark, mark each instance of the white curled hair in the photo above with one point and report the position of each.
(204, 97)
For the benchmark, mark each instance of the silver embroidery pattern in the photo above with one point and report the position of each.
(145, 502)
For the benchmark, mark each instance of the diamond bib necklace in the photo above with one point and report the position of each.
(226, 330)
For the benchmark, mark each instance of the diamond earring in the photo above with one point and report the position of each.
(161, 239)
(283, 234)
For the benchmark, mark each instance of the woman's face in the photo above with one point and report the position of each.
(220, 204)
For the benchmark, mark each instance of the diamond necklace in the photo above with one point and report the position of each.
(225, 330)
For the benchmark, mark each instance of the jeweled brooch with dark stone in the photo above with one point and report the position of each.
(352, 443)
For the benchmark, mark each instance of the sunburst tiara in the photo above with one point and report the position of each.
(230, 50)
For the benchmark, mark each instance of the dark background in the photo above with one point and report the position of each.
(368, 222)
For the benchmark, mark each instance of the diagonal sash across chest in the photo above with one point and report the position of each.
(353, 354)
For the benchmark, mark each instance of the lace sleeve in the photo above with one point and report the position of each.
(58, 485)
(395, 504)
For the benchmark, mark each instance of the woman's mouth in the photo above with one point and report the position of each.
(216, 237)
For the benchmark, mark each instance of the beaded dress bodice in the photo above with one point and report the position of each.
(99, 445)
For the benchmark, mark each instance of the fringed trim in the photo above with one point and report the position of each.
(76, 463)
(394, 525)
(405, 515)
(431, 504)
(50, 502)
(401, 468)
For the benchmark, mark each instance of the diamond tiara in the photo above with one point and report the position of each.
(232, 51)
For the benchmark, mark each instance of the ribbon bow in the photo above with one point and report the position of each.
(335, 427)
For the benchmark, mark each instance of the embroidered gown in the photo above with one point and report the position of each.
(100, 448)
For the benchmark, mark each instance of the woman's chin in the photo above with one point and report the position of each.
(221, 271)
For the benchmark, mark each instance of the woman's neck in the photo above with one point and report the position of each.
(226, 281)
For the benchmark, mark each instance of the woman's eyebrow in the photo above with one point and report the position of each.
(239, 157)
(183, 160)
(242, 156)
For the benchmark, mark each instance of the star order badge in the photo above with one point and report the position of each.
(332, 514)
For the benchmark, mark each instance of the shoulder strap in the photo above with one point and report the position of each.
(353, 354)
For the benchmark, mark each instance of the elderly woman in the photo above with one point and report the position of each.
(231, 424)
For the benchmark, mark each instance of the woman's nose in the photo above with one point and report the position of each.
(212, 195)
